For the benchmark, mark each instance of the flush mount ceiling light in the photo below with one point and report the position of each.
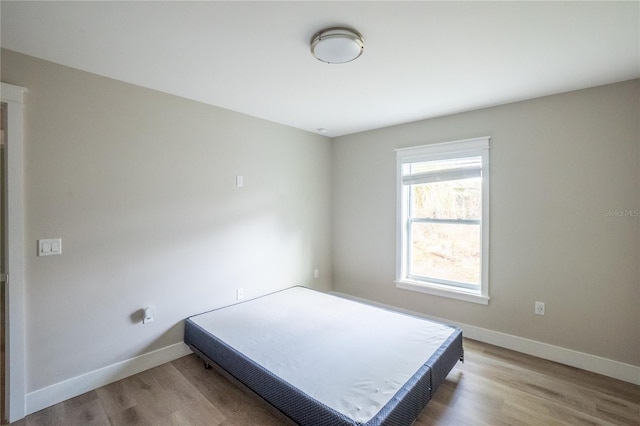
(337, 45)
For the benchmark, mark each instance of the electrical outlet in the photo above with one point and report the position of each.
(316, 273)
(240, 293)
(539, 308)
(148, 315)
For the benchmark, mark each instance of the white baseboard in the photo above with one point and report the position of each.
(596, 364)
(58, 392)
(606, 367)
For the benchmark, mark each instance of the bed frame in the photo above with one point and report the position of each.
(212, 339)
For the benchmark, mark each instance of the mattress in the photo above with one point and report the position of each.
(325, 360)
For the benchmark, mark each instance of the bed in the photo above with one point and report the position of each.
(322, 359)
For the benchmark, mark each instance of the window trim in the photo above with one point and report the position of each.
(443, 151)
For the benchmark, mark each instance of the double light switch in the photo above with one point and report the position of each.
(50, 247)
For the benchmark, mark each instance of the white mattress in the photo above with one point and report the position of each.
(290, 333)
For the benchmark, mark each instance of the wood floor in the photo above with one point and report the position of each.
(493, 387)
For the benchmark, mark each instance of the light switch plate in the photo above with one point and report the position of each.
(50, 247)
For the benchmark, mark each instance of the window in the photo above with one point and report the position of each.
(443, 219)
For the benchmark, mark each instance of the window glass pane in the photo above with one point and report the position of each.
(446, 251)
(455, 199)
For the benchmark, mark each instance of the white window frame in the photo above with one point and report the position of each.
(442, 151)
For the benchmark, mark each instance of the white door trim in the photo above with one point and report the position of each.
(15, 390)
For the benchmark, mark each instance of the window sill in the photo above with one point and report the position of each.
(438, 290)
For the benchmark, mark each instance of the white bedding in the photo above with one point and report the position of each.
(300, 335)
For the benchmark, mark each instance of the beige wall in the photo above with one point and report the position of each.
(140, 186)
(558, 164)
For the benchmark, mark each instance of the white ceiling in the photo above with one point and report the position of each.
(421, 59)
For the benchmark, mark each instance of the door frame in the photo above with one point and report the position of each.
(14, 308)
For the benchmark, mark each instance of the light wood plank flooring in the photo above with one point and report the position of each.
(494, 386)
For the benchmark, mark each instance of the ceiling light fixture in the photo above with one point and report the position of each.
(337, 45)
